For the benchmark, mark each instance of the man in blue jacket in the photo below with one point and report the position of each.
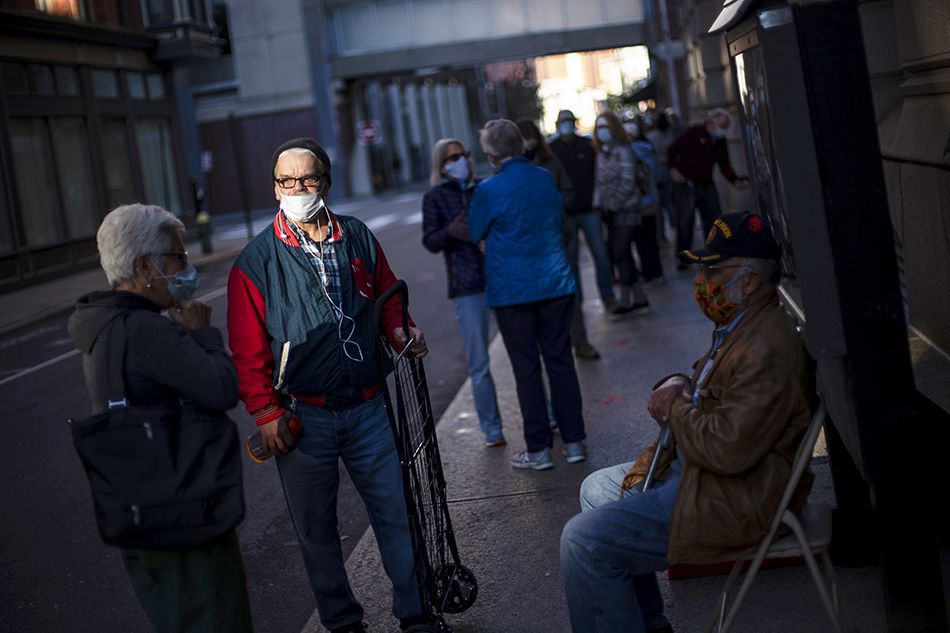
(529, 284)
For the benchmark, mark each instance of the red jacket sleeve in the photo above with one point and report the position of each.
(383, 278)
(250, 347)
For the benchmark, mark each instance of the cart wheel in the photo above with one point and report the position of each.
(462, 590)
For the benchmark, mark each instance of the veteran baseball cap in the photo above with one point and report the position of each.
(736, 235)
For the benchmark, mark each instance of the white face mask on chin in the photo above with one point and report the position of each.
(302, 208)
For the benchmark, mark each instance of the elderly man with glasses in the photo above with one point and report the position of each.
(736, 423)
(300, 306)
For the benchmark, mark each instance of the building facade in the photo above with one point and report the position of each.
(88, 121)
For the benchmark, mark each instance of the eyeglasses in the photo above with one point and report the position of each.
(182, 256)
(451, 158)
(706, 268)
(289, 182)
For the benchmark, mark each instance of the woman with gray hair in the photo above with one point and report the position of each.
(445, 230)
(167, 361)
(529, 284)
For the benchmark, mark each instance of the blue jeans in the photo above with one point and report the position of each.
(362, 437)
(473, 318)
(594, 236)
(610, 554)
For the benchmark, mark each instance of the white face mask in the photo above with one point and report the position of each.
(302, 208)
(457, 170)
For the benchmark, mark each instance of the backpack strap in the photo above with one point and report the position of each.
(105, 368)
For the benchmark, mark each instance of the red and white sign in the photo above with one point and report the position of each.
(368, 132)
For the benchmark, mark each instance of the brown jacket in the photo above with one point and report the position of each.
(739, 442)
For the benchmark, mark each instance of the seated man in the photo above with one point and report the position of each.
(736, 424)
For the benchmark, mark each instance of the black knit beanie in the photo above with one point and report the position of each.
(304, 143)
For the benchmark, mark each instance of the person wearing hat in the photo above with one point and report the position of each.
(736, 422)
(300, 323)
(577, 155)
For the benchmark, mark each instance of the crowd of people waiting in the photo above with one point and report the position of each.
(300, 304)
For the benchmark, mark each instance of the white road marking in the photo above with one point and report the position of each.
(413, 218)
(380, 221)
(214, 294)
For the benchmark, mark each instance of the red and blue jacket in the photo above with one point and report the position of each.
(283, 331)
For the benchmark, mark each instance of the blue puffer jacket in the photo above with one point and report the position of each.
(518, 214)
(463, 261)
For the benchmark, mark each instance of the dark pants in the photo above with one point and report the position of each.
(644, 236)
(543, 326)
(621, 241)
(687, 198)
(194, 590)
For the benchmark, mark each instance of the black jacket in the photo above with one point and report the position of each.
(464, 263)
(577, 157)
(163, 362)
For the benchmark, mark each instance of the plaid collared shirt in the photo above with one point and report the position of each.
(323, 258)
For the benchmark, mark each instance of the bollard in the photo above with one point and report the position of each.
(203, 224)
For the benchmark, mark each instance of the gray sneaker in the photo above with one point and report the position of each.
(574, 452)
(536, 461)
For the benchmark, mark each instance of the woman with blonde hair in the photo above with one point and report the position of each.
(445, 230)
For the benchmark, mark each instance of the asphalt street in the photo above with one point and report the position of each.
(57, 575)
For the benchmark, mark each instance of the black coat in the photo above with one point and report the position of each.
(163, 362)
(577, 156)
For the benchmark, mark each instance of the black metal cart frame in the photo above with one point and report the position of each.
(445, 585)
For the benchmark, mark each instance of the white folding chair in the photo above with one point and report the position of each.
(810, 537)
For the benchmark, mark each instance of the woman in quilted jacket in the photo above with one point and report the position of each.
(445, 230)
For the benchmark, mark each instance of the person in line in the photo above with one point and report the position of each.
(736, 422)
(529, 284)
(660, 136)
(538, 152)
(645, 234)
(445, 230)
(167, 360)
(300, 304)
(691, 158)
(617, 195)
(577, 155)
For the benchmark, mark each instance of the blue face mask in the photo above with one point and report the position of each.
(718, 133)
(185, 284)
(565, 128)
(603, 135)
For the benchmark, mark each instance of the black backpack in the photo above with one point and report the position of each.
(162, 477)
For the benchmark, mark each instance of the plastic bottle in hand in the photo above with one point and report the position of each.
(288, 430)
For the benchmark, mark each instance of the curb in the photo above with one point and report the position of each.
(67, 306)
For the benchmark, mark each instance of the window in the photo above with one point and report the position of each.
(40, 79)
(159, 167)
(136, 85)
(104, 83)
(66, 82)
(14, 79)
(36, 185)
(156, 87)
(159, 12)
(75, 9)
(118, 167)
(74, 167)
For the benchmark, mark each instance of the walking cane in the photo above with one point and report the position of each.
(663, 442)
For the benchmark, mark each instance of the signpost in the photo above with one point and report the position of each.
(368, 132)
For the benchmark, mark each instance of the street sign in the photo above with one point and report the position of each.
(368, 132)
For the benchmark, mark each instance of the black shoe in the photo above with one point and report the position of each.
(637, 308)
(424, 621)
(355, 627)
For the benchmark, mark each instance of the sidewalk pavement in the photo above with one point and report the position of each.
(508, 522)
